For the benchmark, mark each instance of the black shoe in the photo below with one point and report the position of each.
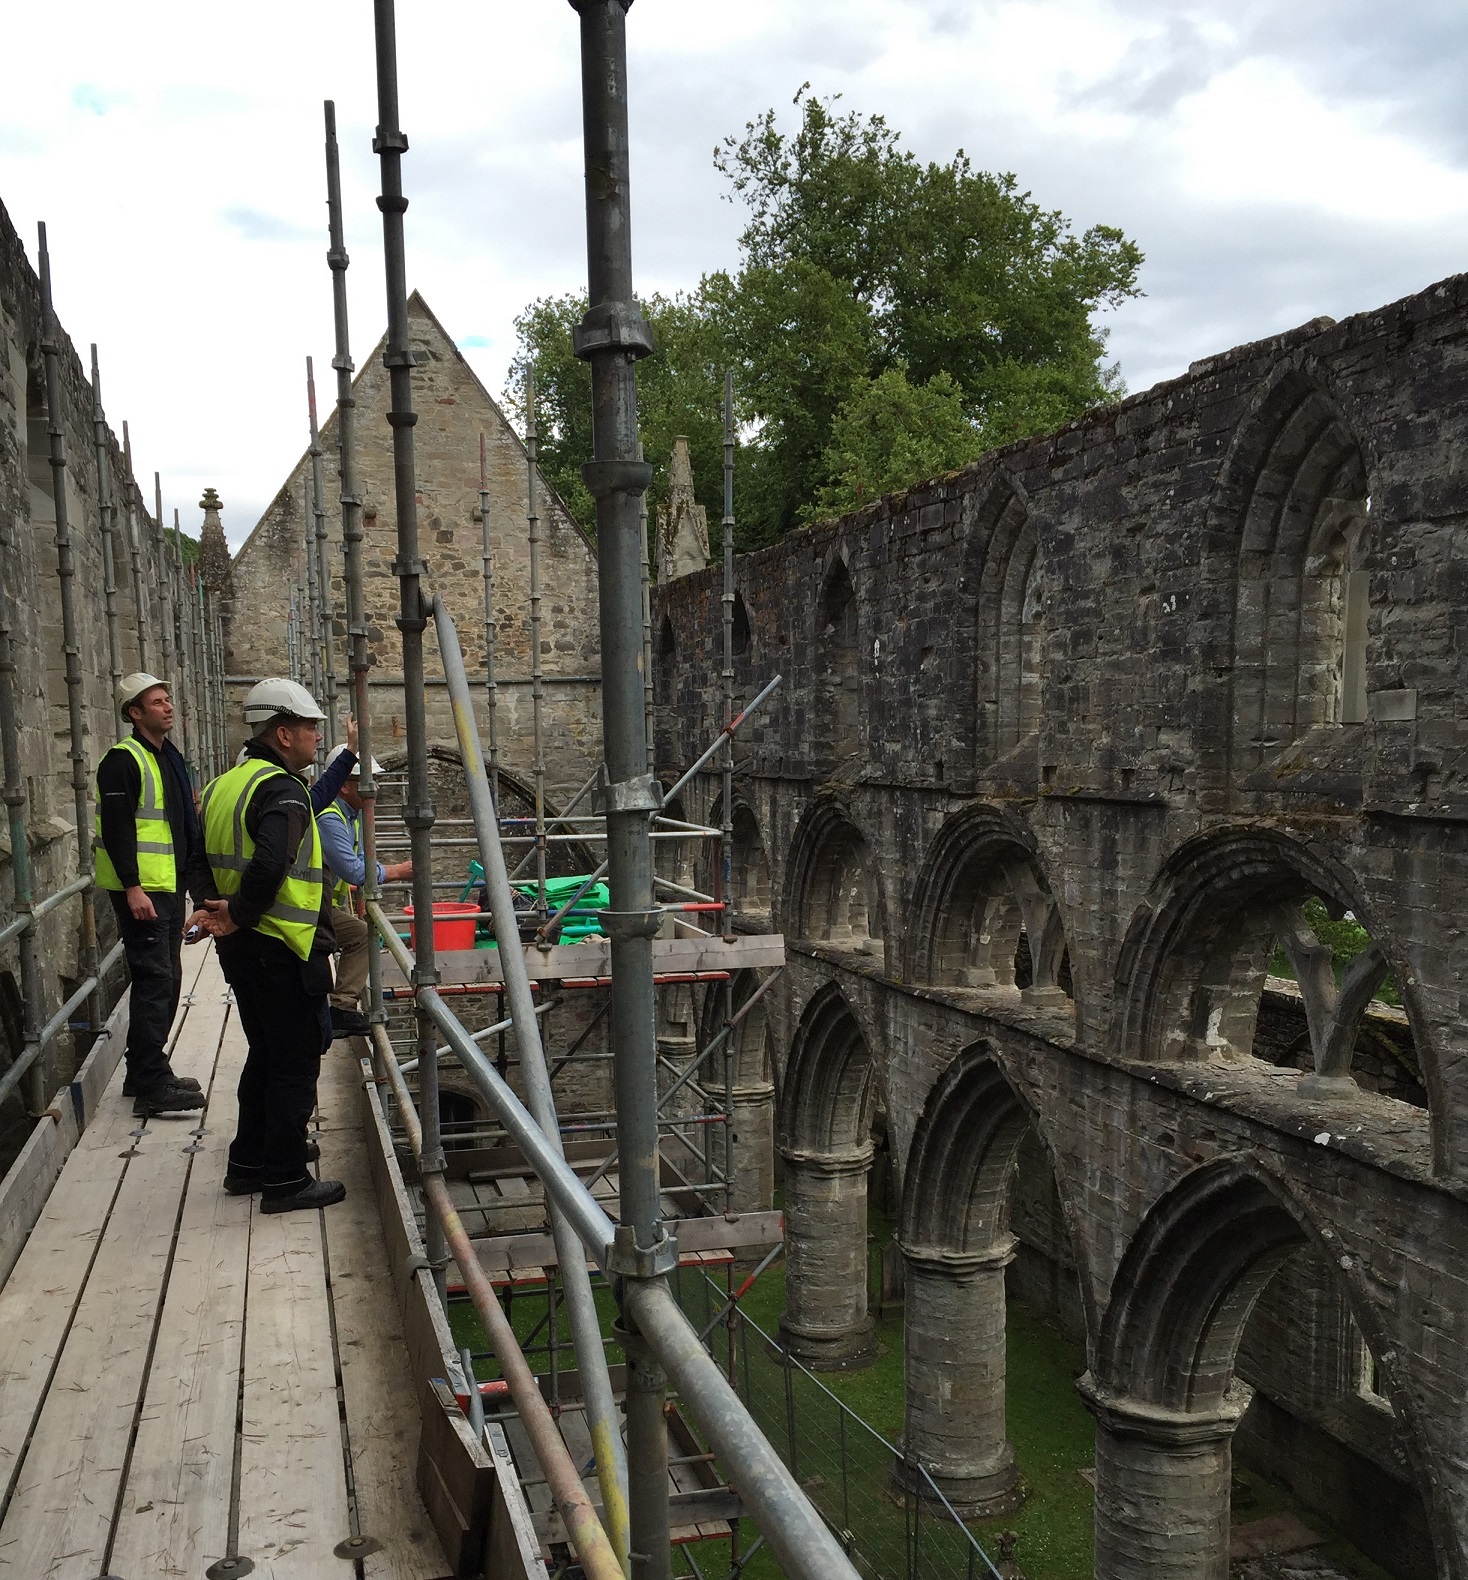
(167, 1100)
(349, 1023)
(248, 1184)
(319, 1193)
(129, 1087)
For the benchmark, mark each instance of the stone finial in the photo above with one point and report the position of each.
(683, 528)
(213, 547)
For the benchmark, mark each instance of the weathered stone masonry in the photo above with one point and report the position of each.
(1065, 740)
(28, 569)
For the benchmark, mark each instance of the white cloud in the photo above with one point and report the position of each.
(1274, 163)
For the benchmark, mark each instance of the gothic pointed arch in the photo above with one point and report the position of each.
(962, 1160)
(836, 715)
(984, 915)
(833, 891)
(1005, 563)
(1230, 907)
(1296, 497)
(830, 1093)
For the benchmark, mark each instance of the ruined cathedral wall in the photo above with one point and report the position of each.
(1192, 650)
(453, 412)
(32, 604)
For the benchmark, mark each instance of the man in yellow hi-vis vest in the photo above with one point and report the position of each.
(148, 849)
(273, 923)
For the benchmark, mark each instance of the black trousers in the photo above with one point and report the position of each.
(153, 951)
(283, 1011)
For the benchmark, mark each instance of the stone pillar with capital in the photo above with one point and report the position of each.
(1163, 1478)
(826, 1324)
(955, 1358)
(754, 1147)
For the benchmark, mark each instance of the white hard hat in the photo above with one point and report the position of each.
(271, 697)
(336, 752)
(131, 687)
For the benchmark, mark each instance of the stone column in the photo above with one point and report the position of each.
(754, 1147)
(955, 1377)
(1162, 1486)
(826, 1324)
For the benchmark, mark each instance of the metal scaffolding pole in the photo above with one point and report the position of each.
(66, 576)
(327, 658)
(611, 337)
(206, 689)
(491, 688)
(106, 521)
(723, 890)
(390, 145)
(139, 599)
(165, 602)
(537, 676)
(310, 605)
(351, 508)
(648, 696)
(221, 706)
(601, 1410)
(181, 618)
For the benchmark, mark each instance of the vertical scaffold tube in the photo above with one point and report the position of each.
(181, 617)
(140, 602)
(323, 567)
(537, 676)
(725, 889)
(491, 687)
(601, 1410)
(351, 507)
(165, 602)
(390, 145)
(611, 337)
(81, 778)
(311, 604)
(102, 449)
(648, 699)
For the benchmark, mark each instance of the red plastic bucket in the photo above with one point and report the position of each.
(453, 924)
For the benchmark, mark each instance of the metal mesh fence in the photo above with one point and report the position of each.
(854, 1476)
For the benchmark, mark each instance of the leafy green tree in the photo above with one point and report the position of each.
(890, 433)
(872, 289)
(680, 391)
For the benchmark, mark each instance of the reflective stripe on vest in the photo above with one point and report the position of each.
(227, 844)
(157, 868)
(341, 890)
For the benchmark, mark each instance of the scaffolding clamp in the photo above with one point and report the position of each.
(620, 926)
(618, 325)
(643, 793)
(630, 1260)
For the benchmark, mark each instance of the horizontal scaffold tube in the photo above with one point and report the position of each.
(554, 1458)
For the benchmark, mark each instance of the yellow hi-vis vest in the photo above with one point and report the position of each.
(157, 868)
(341, 890)
(293, 916)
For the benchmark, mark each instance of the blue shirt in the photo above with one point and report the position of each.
(339, 847)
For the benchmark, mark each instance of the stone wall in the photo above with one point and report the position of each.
(454, 413)
(28, 573)
(1064, 742)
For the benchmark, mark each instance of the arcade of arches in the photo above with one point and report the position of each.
(1114, 809)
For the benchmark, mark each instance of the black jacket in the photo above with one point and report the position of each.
(120, 787)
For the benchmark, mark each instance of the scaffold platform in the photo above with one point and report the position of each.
(184, 1380)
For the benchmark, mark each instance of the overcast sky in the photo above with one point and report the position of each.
(1274, 161)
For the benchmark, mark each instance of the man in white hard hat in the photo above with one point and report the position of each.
(273, 925)
(148, 848)
(341, 850)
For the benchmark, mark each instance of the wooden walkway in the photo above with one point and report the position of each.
(185, 1380)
